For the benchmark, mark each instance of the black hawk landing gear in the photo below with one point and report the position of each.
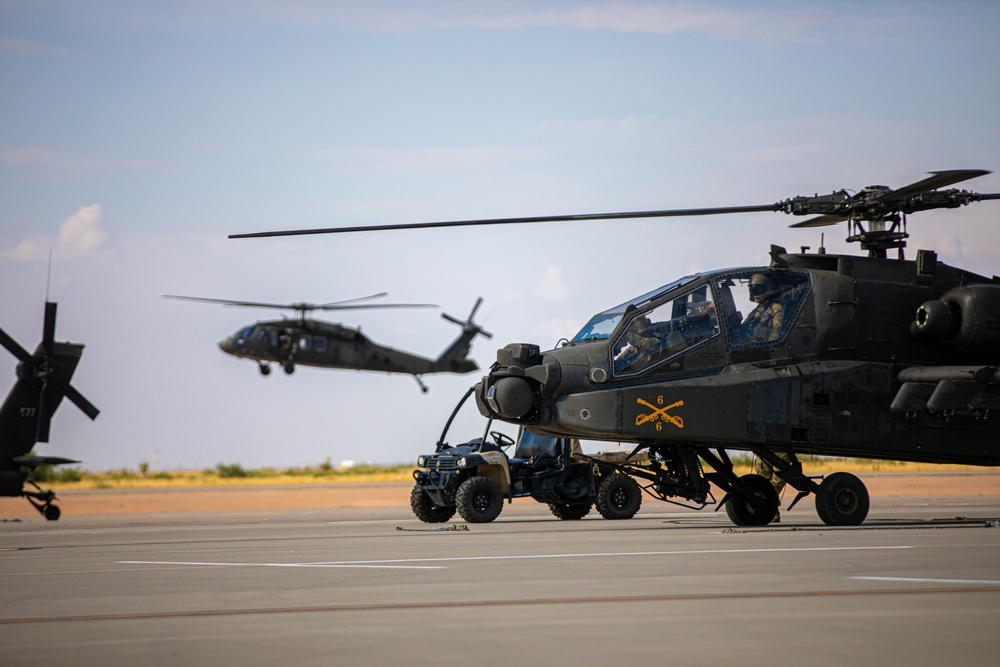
(42, 501)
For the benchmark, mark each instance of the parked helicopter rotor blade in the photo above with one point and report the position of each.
(510, 221)
(49, 331)
(937, 179)
(79, 401)
(12, 346)
(49, 398)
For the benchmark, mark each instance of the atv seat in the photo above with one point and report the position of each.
(535, 449)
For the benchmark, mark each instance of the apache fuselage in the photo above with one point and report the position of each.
(869, 357)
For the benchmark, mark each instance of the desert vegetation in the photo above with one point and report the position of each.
(235, 474)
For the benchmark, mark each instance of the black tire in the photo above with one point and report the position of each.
(479, 499)
(52, 513)
(571, 512)
(618, 497)
(425, 510)
(759, 510)
(842, 500)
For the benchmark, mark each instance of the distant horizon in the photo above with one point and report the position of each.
(136, 137)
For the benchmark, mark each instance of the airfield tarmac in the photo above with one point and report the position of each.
(917, 584)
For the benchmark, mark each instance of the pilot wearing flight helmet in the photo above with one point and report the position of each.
(764, 321)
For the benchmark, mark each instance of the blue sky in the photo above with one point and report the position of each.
(136, 136)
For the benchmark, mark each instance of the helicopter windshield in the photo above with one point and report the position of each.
(244, 333)
(664, 331)
(602, 325)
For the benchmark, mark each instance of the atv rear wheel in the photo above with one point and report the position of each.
(618, 497)
(479, 499)
(425, 510)
(572, 511)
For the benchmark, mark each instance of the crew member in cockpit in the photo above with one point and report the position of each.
(642, 343)
(764, 322)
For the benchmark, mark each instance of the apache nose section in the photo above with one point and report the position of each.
(510, 397)
(517, 384)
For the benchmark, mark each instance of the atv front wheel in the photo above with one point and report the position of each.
(425, 510)
(479, 499)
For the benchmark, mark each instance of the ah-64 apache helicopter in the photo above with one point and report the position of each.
(309, 342)
(42, 383)
(840, 355)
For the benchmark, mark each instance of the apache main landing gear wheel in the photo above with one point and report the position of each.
(842, 500)
(758, 510)
(618, 497)
(572, 511)
(479, 499)
(425, 510)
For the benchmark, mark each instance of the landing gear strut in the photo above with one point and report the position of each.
(42, 501)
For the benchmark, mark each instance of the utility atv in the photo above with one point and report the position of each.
(475, 477)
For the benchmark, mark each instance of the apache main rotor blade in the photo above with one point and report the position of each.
(822, 221)
(511, 221)
(937, 179)
(820, 206)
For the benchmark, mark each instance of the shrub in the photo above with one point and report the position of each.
(230, 470)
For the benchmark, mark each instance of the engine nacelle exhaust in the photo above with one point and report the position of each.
(965, 318)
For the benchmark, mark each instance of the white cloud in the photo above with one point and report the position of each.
(79, 235)
(552, 287)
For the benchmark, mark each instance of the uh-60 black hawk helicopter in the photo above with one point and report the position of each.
(42, 383)
(309, 342)
(841, 355)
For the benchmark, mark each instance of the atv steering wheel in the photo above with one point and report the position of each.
(502, 439)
